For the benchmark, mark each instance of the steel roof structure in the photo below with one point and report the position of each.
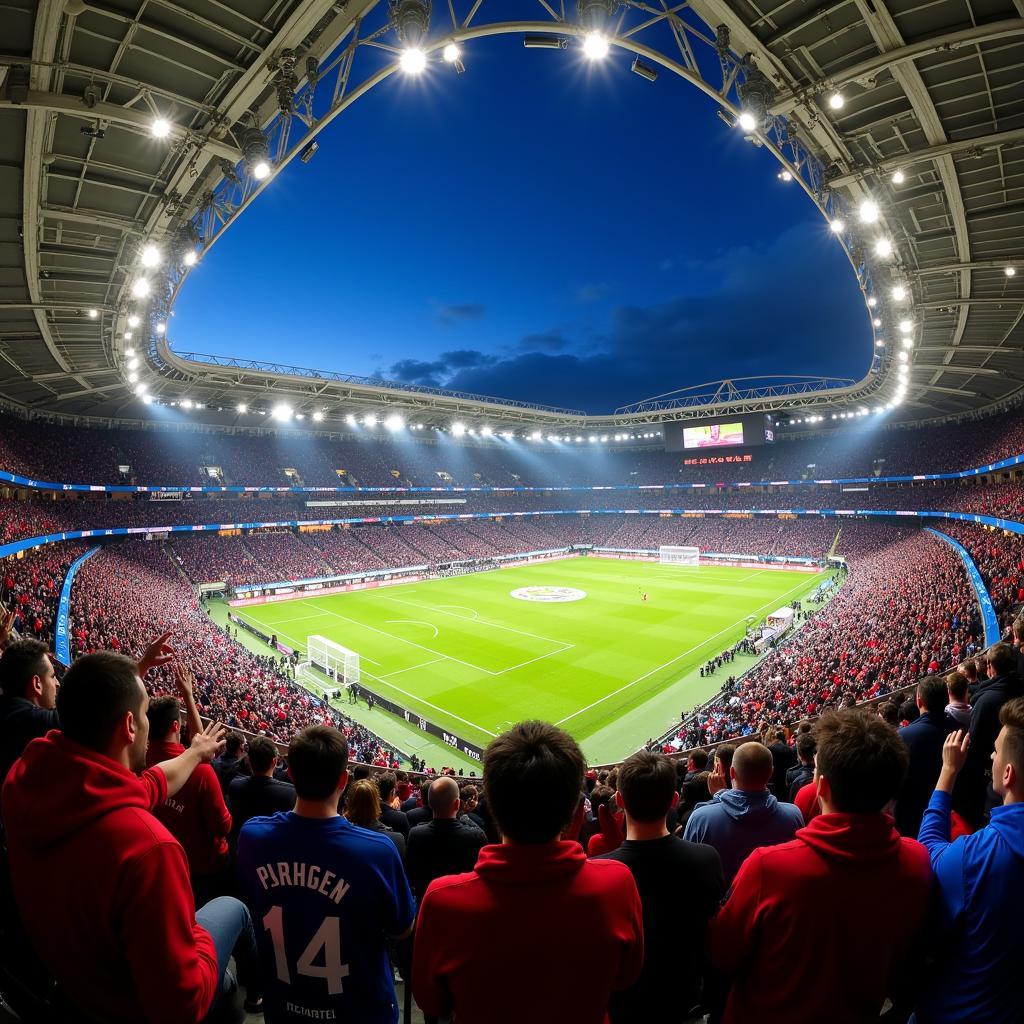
(917, 107)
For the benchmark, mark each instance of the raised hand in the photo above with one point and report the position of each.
(184, 680)
(954, 752)
(158, 653)
(717, 780)
(6, 625)
(210, 742)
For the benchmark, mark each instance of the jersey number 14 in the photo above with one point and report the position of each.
(325, 944)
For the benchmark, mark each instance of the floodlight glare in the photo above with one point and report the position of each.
(785, 176)
(140, 289)
(747, 121)
(906, 326)
(595, 46)
(93, 313)
(837, 226)
(369, 420)
(536, 436)
(282, 412)
(132, 378)
(872, 301)
(140, 389)
(257, 153)
(350, 420)
(129, 352)
(241, 407)
(486, 431)
(134, 321)
(160, 128)
(879, 343)
(908, 342)
(899, 293)
(133, 364)
(836, 101)
(898, 177)
(458, 429)
(413, 60)
(127, 335)
(147, 399)
(150, 256)
(318, 417)
(868, 212)
(261, 170)
(883, 247)
(191, 257)
(904, 357)
(160, 328)
(1008, 271)
(394, 422)
(451, 53)
(876, 322)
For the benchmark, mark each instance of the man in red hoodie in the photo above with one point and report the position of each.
(102, 887)
(517, 939)
(795, 929)
(196, 815)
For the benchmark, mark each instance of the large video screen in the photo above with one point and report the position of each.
(714, 435)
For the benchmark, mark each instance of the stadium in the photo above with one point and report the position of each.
(264, 623)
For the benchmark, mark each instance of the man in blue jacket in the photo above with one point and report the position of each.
(979, 884)
(739, 820)
(923, 739)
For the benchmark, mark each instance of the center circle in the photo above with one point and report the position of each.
(549, 595)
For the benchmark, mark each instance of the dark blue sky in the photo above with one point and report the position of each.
(536, 228)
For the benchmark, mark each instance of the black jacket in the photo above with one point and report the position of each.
(796, 778)
(396, 837)
(20, 723)
(257, 796)
(419, 816)
(441, 847)
(923, 739)
(227, 768)
(396, 820)
(971, 792)
(783, 757)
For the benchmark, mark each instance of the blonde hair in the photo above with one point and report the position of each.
(362, 803)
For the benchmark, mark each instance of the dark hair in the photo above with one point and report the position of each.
(262, 752)
(533, 780)
(933, 694)
(696, 790)
(1002, 657)
(600, 796)
(386, 783)
(317, 758)
(233, 743)
(1011, 718)
(956, 684)
(96, 694)
(889, 712)
(699, 757)
(969, 668)
(724, 753)
(647, 782)
(162, 714)
(909, 711)
(863, 759)
(19, 663)
(806, 746)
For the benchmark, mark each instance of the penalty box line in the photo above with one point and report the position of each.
(678, 657)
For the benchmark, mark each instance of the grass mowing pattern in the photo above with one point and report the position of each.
(471, 658)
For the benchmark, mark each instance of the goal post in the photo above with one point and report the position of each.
(670, 554)
(338, 663)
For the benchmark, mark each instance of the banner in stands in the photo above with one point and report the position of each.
(988, 612)
(62, 641)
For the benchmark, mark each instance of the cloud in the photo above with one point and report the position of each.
(545, 341)
(459, 312)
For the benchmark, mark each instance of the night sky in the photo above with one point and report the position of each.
(537, 228)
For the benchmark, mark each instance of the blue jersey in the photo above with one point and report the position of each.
(324, 896)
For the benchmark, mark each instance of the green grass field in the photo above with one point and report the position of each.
(610, 668)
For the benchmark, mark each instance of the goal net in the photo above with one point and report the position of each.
(336, 662)
(672, 555)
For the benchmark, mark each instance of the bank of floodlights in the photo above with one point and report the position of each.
(411, 19)
(594, 16)
(756, 94)
(257, 153)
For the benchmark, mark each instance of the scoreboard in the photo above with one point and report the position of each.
(715, 436)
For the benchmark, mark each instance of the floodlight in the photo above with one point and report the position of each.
(898, 177)
(127, 335)
(837, 226)
(638, 67)
(241, 407)
(394, 422)
(160, 128)
(579, 440)
(535, 436)
(486, 431)
(872, 301)
(604, 437)
(140, 289)
(747, 121)
(133, 364)
(318, 416)
(899, 293)
(132, 378)
(883, 247)
(908, 342)
(904, 357)
(836, 101)
(451, 53)
(1008, 271)
(868, 212)
(190, 258)
(140, 389)
(595, 46)
(876, 322)
(150, 256)
(785, 176)
(592, 439)
(93, 313)
(458, 429)
(350, 420)
(129, 352)
(147, 399)
(906, 326)
(879, 343)
(300, 416)
(160, 328)
(257, 154)
(545, 42)
(134, 321)
(369, 420)
(282, 412)
(413, 60)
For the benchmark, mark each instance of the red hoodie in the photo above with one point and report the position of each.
(533, 933)
(196, 815)
(815, 929)
(103, 888)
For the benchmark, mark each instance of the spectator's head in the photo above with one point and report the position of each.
(1001, 660)
(647, 787)
(889, 713)
(262, 755)
(1008, 756)
(362, 803)
(443, 797)
(26, 671)
(470, 797)
(909, 711)
(956, 687)
(932, 696)
(970, 669)
(806, 746)
(234, 744)
(164, 720)
(1018, 630)
(318, 764)
(804, 726)
(860, 764)
(103, 706)
(533, 780)
(386, 783)
(780, 736)
(425, 793)
(697, 760)
(723, 756)
(696, 791)
(752, 767)
(601, 796)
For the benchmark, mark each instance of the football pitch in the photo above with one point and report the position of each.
(605, 664)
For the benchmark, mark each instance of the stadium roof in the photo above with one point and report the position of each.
(932, 91)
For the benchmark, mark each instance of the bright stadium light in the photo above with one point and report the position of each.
(868, 212)
(241, 408)
(604, 438)
(908, 342)
(134, 321)
(536, 436)
(1008, 271)
(836, 226)
(132, 378)
(876, 322)
(190, 258)
(899, 293)
(127, 335)
(318, 416)
(872, 301)
(906, 326)
(836, 101)
(369, 420)
(898, 177)
(93, 313)
(883, 248)
(350, 420)
(133, 364)
(413, 60)
(486, 431)
(140, 389)
(595, 46)
(129, 352)
(394, 422)
(281, 412)
(747, 121)
(140, 289)
(160, 328)
(784, 176)
(451, 53)
(160, 128)
(903, 357)
(458, 429)
(150, 256)
(879, 343)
